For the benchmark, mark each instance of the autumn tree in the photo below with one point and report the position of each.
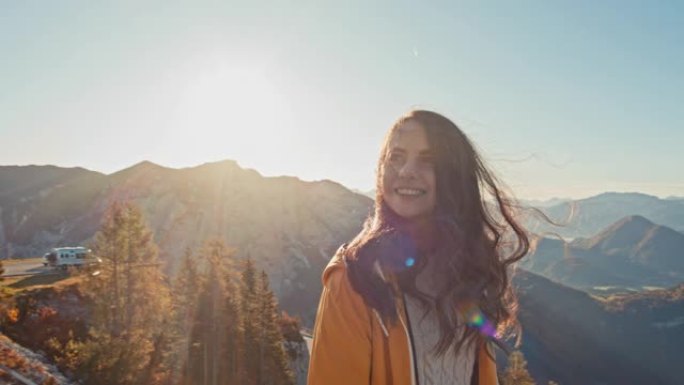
(215, 335)
(516, 373)
(273, 359)
(249, 308)
(130, 303)
(234, 329)
(185, 292)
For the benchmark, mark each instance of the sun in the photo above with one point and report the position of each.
(230, 112)
(239, 96)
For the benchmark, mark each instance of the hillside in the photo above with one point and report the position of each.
(574, 338)
(288, 226)
(18, 365)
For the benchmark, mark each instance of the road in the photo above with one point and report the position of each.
(24, 266)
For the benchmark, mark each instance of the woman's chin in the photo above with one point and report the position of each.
(412, 214)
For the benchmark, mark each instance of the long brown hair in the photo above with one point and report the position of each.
(476, 239)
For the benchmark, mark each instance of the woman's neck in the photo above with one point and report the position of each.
(423, 232)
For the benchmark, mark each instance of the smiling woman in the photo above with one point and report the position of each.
(422, 294)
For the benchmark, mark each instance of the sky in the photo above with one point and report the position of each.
(563, 98)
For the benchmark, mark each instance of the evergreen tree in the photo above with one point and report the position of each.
(234, 331)
(130, 303)
(185, 294)
(274, 369)
(215, 335)
(249, 307)
(516, 373)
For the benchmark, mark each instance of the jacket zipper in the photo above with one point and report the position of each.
(409, 338)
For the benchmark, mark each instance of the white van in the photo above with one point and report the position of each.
(64, 257)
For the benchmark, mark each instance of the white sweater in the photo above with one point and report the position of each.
(449, 369)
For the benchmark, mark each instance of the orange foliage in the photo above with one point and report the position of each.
(12, 315)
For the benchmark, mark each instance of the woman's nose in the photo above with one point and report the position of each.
(408, 169)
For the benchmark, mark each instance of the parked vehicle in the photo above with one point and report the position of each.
(63, 257)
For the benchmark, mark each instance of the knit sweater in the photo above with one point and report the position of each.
(450, 368)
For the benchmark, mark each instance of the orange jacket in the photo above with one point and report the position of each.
(352, 346)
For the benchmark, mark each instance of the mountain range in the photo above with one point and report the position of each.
(630, 253)
(586, 217)
(291, 228)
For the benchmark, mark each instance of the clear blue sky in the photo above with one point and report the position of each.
(566, 99)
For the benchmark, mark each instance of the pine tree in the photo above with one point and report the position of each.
(234, 331)
(185, 294)
(249, 307)
(216, 334)
(516, 373)
(130, 302)
(274, 369)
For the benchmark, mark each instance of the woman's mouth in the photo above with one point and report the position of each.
(410, 192)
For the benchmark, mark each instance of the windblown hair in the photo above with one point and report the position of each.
(476, 239)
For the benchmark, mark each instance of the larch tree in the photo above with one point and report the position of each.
(516, 373)
(249, 308)
(274, 368)
(215, 335)
(130, 302)
(233, 326)
(186, 289)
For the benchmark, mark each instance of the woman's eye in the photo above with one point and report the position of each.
(427, 161)
(395, 159)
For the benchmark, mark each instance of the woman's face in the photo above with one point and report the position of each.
(408, 173)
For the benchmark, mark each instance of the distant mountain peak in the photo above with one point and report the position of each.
(622, 195)
(145, 163)
(142, 165)
(220, 163)
(141, 168)
(634, 220)
(623, 233)
(225, 167)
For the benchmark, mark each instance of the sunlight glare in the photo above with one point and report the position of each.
(233, 104)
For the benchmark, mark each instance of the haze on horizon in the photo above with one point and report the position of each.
(563, 100)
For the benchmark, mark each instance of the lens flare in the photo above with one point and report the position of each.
(476, 319)
(410, 262)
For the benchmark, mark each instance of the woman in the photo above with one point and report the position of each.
(419, 295)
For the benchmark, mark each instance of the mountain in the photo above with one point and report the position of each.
(642, 242)
(369, 193)
(544, 203)
(288, 226)
(38, 205)
(291, 228)
(630, 253)
(585, 217)
(573, 338)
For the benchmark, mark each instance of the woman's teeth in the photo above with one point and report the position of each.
(409, 191)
